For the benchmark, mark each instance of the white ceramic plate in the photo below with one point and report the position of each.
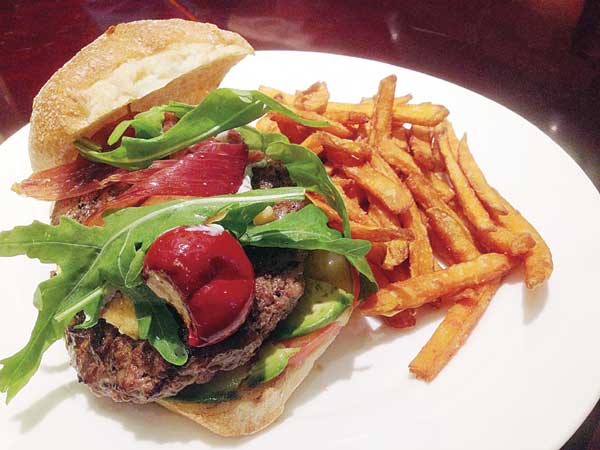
(526, 378)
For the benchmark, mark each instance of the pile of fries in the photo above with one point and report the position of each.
(441, 235)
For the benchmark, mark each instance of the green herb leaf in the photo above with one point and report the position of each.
(148, 124)
(223, 109)
(307, 229)
(157, 325)
(92, 258)
(306, 169)
(256, 140)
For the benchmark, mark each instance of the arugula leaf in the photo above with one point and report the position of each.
(92, 258)
(306, 169)
(223, 109)
(257, 140)
(307, 229)
(157, 325)
(148, 124)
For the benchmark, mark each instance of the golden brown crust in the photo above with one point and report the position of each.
(140, 64)
(256, 409)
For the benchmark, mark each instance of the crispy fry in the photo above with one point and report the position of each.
(267, 125)
(487, 195)
(452, 333)
(334, 127)
(423, 289)
(395, 156)
(355, 212)
(396, 254)
(452, 235)
(381, 122)
(422, 133)
(280, 96)
(400, 134)
(381, 215)
(495, 239)
(425, 114)
(347, 117)
(446, 192)
(427, 197)
(471, 206)
(420, 252)
(371, 232)
(314, 143)
(404, 319)
(315, 98)
(392, 193)
(365, 106)
(452, 139)
(341, 150)
(422, 153)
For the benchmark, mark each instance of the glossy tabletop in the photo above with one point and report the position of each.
(540, 58)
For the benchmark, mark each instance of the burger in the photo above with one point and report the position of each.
(191, 270)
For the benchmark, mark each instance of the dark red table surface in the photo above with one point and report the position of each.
(540, 58)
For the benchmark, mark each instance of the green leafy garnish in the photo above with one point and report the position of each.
(148, 124)
(223, 109)
(157, 325)
(92, 259)
(306, 169)
(307, 229)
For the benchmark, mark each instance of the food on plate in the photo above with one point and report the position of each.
(192, 269)
(423, 183)
(205, 263)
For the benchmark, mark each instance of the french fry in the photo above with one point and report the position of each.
(452, 333)
(425, 114)
(400, 134)
(423, 289)
(452, 139)
(381, 122)
(538, 261)
(314, 143)
(395, 156)
(420, 253)
(396, 254)
(446, 192)
(427, 197)
(267, 125)
(355, 212)
(495, 239)
(381, 215)
(365, 106)
(422, 153)
(422, 133)
(371, 232)
(280, 96)
(347, 117)
(488, 196)
(471, 206)
(404, 319)
(392, 193)
(452, 235)
(315, 98)
(334, 127)
(344, 150)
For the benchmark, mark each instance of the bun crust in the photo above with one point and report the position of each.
(137, 64)
(256, 409)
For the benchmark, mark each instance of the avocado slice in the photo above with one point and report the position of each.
(272, 360)
(321, 304)
(222, 388)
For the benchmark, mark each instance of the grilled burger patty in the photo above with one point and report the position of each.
(124, 369)
(128, 370)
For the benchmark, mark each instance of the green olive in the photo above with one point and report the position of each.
(329, 267)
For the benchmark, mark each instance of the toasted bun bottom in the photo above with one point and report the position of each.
(256, 409)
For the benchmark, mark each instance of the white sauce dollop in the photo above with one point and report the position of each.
(212, 229)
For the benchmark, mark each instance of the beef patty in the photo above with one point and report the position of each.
(116, 366)
(128, 370)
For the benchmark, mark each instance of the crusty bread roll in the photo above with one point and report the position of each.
(140, 64)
